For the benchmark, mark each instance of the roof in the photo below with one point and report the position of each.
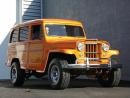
(62, 21)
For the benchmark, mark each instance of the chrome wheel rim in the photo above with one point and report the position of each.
(13, 74)
(55, 74)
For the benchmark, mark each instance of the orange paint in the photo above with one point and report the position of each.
(34, 54)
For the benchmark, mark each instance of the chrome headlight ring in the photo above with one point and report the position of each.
(105, 47)
(80, 46)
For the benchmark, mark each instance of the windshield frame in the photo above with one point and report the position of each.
(84, 34)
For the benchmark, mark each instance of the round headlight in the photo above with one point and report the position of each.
(105, 47)
(80, 46)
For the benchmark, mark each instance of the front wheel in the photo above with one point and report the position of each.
(17, 75)
(110, 78)
(59, 78)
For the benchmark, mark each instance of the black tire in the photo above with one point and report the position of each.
(113, 78)
(17, 75)
(59, 78)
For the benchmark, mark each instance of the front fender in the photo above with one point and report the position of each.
(113, 52)
(110, 53)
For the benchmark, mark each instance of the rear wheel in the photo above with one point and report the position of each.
(17, 75)
(110, 78)
(59, 78)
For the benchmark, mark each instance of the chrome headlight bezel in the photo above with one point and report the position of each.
(105, 47)
(80, 46)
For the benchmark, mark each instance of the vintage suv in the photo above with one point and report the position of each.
(59, 48)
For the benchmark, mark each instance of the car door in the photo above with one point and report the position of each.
(22, 46)
(35, 51)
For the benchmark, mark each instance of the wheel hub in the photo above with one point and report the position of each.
(13, 74)
(55, 74)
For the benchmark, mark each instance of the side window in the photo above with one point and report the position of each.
(23, 33)
(36, 33)
(14, 35)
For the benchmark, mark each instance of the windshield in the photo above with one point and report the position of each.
(64, 30)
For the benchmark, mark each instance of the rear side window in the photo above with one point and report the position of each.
(23, 33)
(14, 35)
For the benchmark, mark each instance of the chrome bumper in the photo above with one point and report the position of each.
(85, 66)
(89, 66)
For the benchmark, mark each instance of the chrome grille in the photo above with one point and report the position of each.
(93, 51)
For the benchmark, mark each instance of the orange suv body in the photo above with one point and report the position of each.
(36, 46)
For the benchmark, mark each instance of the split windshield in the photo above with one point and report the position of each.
(64, 30)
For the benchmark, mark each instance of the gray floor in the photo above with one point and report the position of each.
(79, 88)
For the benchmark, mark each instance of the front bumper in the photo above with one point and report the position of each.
(92, 66)
(84, 66)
